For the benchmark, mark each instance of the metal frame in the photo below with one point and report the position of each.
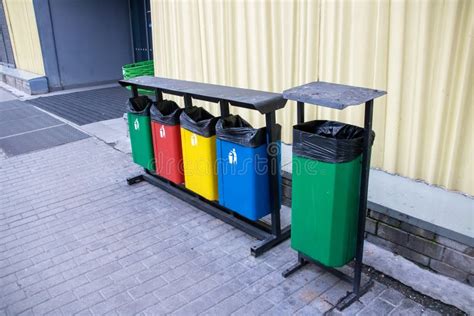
(350, 297)
(269, 235)
(357, 289)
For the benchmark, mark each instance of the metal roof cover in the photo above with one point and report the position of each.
(262, 101)
(332, 95)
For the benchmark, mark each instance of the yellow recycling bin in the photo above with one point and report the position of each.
(199, 151)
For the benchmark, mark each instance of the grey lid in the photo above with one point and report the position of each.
(332, 95)
(261, 101)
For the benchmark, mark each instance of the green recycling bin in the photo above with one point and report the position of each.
(325, 191)
(140, 131)
(142, 68)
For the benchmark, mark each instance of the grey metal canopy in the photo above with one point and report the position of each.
(264, 102)
(332, 95)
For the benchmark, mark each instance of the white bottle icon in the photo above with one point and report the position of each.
(162, 132)
(233, 157)
(194, 140)
(136, 124)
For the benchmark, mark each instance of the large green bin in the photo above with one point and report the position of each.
(140, 131)
(325, 193)
(142, 68)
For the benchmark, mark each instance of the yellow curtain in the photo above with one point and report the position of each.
(420, 52)
(21, 20)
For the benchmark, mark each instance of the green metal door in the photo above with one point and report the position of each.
(141, 140)
(325, 199)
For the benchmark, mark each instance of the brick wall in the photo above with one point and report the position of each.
(421, 246)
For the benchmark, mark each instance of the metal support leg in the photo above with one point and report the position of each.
(301, 263)
(303, 260)
(158, 95)
(133, 180)
(272, 150)
(345, 301)
(270, 242)
(278, 235)
(224, 108)
(351, 297)
(364, 184)
(300, 112)
(188, 101)
(134, 91)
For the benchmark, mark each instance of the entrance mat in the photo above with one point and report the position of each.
(18, 117)
(86, 107)
(39, 139)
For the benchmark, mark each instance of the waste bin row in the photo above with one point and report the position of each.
(225, 159)
(222, 159)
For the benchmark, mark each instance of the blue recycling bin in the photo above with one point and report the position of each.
(243, 175)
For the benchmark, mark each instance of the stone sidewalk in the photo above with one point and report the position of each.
(76, 239)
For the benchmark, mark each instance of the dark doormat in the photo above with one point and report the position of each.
(86, 107)
(18, 117)
(24, 129)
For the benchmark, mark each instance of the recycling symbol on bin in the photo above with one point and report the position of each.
(136, 124)
(233, 157)
(162, 132)
(194, 140)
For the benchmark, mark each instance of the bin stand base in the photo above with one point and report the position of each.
(258, 229)
(270, 242)
(350, 297)
(134, 180)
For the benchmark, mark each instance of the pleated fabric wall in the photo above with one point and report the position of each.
(421, 52)
(21, 20)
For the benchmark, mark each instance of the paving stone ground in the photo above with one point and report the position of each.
(76, 239)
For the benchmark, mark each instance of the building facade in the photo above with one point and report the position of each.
(420, 52)
(49, 45)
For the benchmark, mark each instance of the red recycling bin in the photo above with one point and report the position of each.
(167, 140)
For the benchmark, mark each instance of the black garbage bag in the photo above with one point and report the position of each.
(328, 141)
(199, 121)
(235, 129)
(165, 112)
(139, 105)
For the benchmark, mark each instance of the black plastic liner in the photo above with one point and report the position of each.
(165, 112)
(199, 121)
(236, 130)
(328, 141)
(139, 105)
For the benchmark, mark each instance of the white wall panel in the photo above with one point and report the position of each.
(421, 52)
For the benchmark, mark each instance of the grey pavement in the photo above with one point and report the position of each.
(6, 96)
(113, 132)
(76, 239)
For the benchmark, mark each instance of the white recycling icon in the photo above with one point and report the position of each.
(136, 124)
(233, 157)
(162, 132)
(194, 140)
